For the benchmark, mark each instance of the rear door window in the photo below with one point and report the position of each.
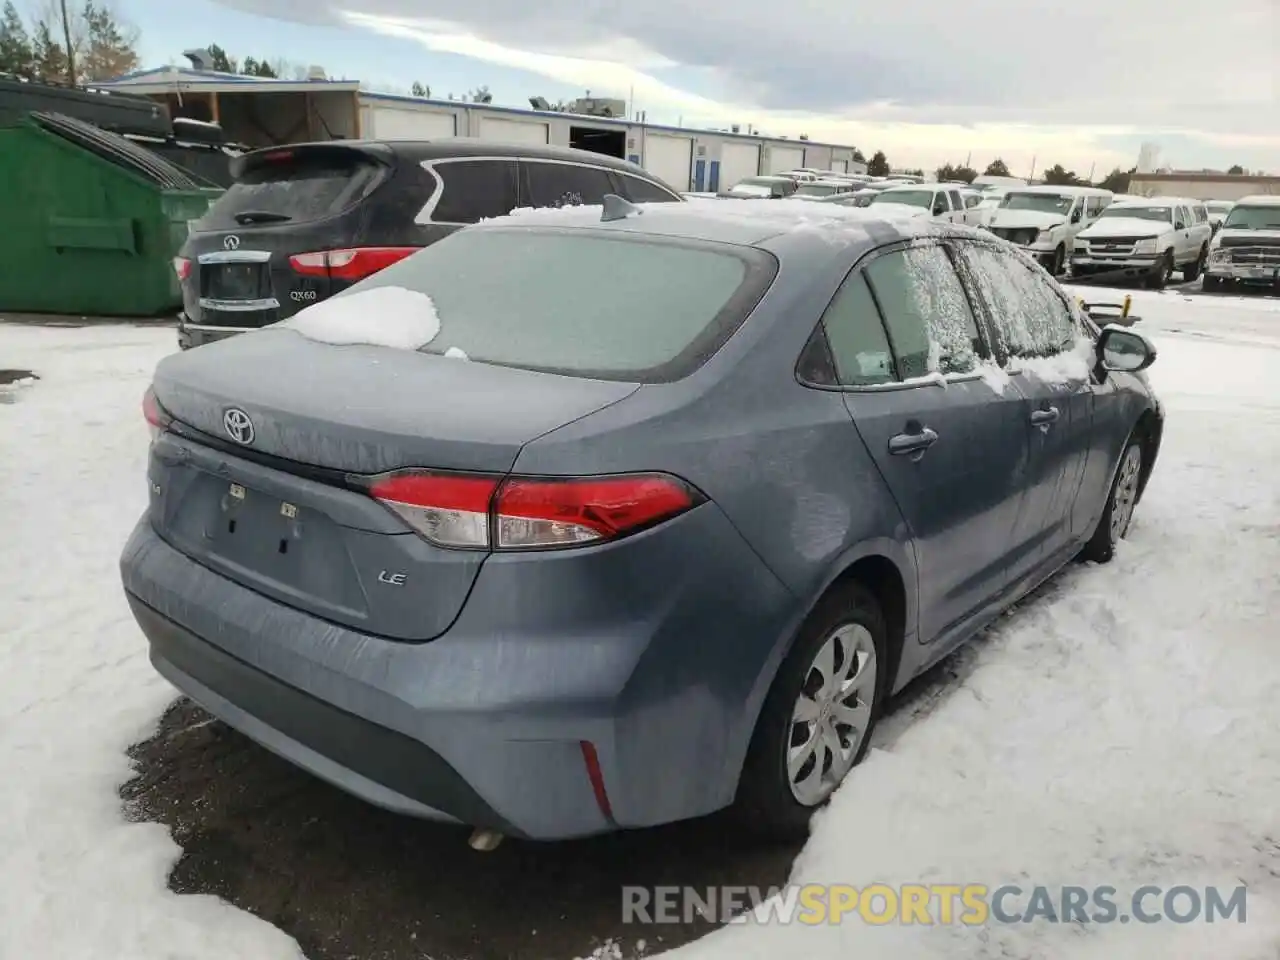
(643, 191)
(475, 190)
(615, 307)
(926, 310)
(296, 187)
(564, 184)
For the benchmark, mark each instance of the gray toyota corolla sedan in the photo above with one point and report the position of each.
(712, 482)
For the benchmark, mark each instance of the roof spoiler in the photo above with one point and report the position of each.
(337, 150)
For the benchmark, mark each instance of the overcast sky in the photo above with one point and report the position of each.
(1081, 83)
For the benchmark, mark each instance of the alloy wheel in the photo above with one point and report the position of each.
(832, 714)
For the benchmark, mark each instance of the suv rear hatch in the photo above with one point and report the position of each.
(293, 229)
(287, 514)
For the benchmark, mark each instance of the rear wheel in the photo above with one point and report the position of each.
(1193, 270)
(1115, 520)
(1162, 272)
(817, 719)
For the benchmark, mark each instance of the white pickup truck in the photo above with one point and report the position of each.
(939, 201)
(1246, 248)
(1145, 238)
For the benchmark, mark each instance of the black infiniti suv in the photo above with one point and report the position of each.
(302, 222)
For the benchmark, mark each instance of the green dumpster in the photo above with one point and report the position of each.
(89, 221)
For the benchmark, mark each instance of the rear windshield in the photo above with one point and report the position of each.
(297, 189)
(610, 307)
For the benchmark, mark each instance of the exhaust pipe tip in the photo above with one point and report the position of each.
(485, 841)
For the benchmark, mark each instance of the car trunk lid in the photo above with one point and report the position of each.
(281, 513)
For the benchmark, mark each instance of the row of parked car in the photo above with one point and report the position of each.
(604, 517)
(1097, 234)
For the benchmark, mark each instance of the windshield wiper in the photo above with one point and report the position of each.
(246, 217)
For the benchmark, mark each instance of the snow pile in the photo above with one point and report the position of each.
(379, 316)
(1070, 365)
(76, 688)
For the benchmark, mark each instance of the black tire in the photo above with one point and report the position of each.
(1192, 271)
(1102, 545)
(1059, 263)
(1210, 284)
(1159, 277)
(766, 803)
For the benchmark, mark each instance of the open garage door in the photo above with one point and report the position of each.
(403, 123)
(737, 162)
(669, 158)
(502, 130)
(785, 158)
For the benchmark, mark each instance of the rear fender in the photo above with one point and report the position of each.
(901, 554)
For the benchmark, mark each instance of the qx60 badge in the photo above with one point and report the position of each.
(238, 426)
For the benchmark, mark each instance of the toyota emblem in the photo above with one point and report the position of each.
(238, 426)
(231, 242)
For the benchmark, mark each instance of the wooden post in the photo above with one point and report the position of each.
(214, 113)
(358, 133)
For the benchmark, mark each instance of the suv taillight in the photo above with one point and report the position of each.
(182, 267)
(157, 417)
(530, 513)
(354, 263)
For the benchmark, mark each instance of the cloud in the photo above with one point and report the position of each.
(916, 76)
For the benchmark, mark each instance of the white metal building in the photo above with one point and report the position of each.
(267, 112)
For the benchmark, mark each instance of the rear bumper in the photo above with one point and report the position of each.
(662, 673)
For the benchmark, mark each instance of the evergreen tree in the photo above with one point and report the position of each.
(16, 53)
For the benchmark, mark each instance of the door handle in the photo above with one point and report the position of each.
(1045, 418)
(913, 444)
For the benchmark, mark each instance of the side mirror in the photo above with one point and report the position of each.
(1123, 350)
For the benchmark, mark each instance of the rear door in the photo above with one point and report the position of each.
(298, 225)
(950, 448)
(1036, 335)
(471, 190)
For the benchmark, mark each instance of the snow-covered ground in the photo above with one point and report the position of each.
(1120, 729)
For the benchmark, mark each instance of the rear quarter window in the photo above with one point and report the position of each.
(299, 189)
(584, 303)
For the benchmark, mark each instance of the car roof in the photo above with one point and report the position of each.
(1168, 201)
(1256, 200)
(418, 150)
(789, 228)
(1066, 190)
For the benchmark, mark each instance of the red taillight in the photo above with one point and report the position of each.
(182, 267)
(278, 156)
(350, 264)
(156, 416)
(561, 513)
(523, 513)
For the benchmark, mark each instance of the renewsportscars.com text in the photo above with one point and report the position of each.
(971, 904)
